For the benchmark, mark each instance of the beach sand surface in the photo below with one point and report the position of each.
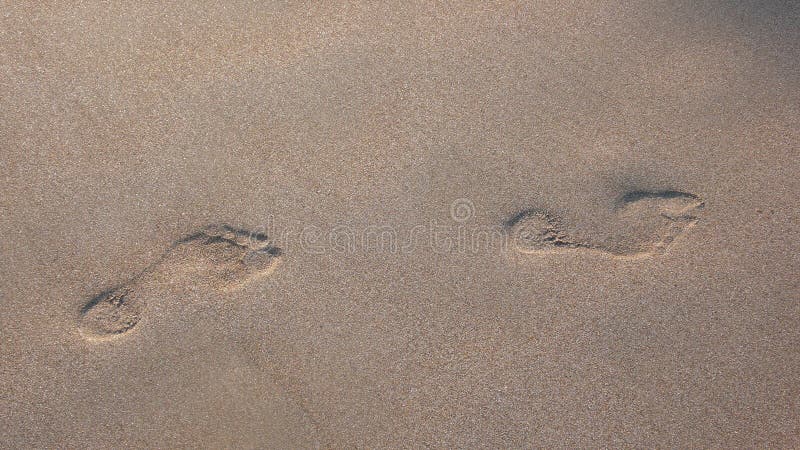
(342, 224)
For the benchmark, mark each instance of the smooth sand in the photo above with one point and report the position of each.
(386, 151)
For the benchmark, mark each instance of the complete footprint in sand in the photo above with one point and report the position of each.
(646, 224)
(219, 257)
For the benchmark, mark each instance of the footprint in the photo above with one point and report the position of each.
(645, 224)
(218, 257)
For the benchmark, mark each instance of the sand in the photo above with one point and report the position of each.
(336, 225)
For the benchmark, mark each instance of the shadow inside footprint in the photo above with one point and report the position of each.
(645, 224)
(219, 257)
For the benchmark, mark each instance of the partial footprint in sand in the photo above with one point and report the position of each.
(219, 257)
(646, 223)
(110, 313)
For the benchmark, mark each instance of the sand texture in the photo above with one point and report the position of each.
(249, 224)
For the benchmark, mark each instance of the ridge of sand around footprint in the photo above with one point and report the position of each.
(218, 257)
